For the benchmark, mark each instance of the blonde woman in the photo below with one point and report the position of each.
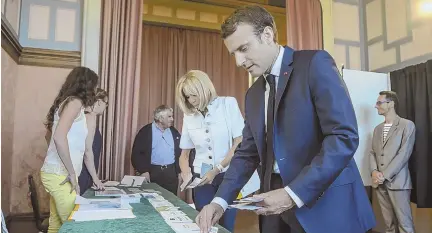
(212, 125)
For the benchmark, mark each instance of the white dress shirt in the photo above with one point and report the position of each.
(276, 72)
(209, 135)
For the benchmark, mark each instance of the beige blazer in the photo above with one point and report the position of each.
(391, 157)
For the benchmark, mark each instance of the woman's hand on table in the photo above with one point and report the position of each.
(98, 185)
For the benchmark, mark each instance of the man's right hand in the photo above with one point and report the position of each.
(146, 175)
(377, 177)
(208, 217)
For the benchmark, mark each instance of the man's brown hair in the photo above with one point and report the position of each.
(391, 96)
(256, 16)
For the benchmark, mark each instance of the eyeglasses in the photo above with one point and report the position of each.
(382, 102)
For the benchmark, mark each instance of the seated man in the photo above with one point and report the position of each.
(156, 152)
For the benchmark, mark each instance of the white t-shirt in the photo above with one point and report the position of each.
(210, 135)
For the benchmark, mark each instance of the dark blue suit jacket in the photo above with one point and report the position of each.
(315, 138)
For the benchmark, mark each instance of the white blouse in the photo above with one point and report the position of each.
(212, 136)
(76, 139)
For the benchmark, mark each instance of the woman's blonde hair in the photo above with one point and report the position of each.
(196, 83)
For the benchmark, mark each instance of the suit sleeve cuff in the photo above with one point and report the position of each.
(295, 198)
(387, 177)
(220, 202)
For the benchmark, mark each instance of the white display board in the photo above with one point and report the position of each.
(364, 88)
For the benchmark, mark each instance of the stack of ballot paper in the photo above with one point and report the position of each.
(110, 192)
(246, 204)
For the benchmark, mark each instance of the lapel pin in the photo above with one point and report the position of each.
(285, 73)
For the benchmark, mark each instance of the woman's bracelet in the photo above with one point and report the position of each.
(219, 167)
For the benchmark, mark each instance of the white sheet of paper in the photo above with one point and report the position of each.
(157, 204)
(133, 181)
(184, 227)
(111, 183)
(81, 200)
(168, 214)
(179, 219)
(82, 216)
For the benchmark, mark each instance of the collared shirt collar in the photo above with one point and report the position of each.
(278, 63)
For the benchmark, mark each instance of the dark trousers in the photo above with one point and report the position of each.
(283, 223)
(165, 176)
(203, 195)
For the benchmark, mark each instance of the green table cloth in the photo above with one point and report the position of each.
(147, 220)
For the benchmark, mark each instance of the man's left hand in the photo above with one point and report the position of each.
(275, 202)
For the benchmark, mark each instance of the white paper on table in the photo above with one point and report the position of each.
(82, 216)
(168, 214)
(157, 204)
(81, 200)
(184, 227)
(111, 183)
(179, 219)
(133, 181)
(104, 206)
(110, 192)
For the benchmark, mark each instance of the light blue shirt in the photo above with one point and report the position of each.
(162, 146)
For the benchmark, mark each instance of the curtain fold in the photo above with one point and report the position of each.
(169, 52)
(120, 75)
(304, 24)
(413, 85)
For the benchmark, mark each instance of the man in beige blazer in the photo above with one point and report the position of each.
(392, 144)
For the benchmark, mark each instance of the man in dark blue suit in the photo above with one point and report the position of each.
(300, 128)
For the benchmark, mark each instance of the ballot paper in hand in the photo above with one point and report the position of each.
(246, 204)
(250, 200)
(191, 184)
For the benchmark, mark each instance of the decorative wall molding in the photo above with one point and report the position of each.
(50, 58)
(203, 14)
(36, 56)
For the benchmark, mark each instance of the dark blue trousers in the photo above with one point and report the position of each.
(203, 195)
